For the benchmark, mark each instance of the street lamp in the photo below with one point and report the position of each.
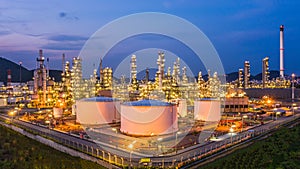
(277, 113)
(130, 146)
(20, 63)
(274, 113)
(159, 147)
(293, 87)
(150, 141)
(48, 122)
(176, 141)
(17, 110)
(115, 130)
(50, 119)
(245, 116)
(231, 132)
(293, 107)
(12, 113)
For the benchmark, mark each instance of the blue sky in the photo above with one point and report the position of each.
(239, 30)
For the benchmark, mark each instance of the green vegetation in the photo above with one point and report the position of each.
(18, 151)
(280, 151)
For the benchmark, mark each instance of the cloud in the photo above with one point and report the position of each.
(4, 33)
(16, 41)
(64, 46)
(62, 14)
(67, 38)
(253, 9)
(66, 16)
(167, 4)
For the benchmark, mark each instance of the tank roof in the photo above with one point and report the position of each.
(207, 99)
(147, 103)
(100, 99)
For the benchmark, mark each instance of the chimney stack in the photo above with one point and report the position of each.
(281, 49)
(8, 78)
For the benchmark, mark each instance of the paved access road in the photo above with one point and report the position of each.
(120, 156)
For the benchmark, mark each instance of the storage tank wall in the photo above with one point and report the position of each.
(207, 110)
(147, 120)
(92, 112)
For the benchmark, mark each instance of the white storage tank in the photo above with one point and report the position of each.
(148, 117)
(57, 112)
(207, 109)
(97, 110)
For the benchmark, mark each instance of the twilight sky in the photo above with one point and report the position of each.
(239, 30)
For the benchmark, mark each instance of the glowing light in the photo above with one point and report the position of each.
(159, 139)
(11, 113)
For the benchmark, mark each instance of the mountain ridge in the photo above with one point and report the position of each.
(27, 75)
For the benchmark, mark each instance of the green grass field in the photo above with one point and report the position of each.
(20, 152)
(279, 151)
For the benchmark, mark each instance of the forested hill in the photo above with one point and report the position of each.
(26, 75)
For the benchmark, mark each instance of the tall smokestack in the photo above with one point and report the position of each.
(147, 75)
(63, 62)
(8, 78)
(281, 52)
(161, 67)
(48, 68)
(41, 59)
(41, 54)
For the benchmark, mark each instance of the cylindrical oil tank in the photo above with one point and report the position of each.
(148, 117)
(207, 109)
(97, 110)
(57, 112)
